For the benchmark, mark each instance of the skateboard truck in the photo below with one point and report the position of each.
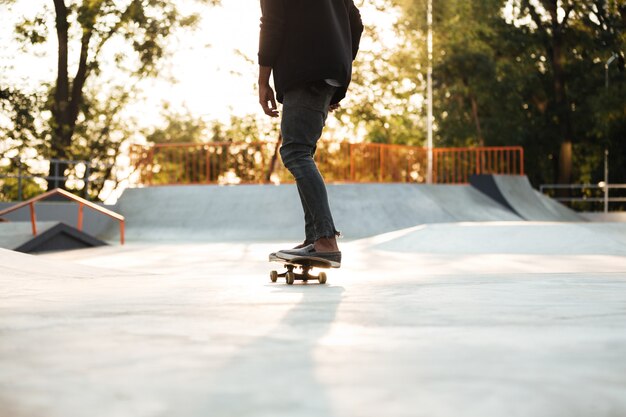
(304, 264)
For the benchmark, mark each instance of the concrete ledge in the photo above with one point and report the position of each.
(615, 217)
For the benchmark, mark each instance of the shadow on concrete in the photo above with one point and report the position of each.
(275, 375)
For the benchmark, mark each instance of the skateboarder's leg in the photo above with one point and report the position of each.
(312, 188)
(304, 115)
(309, 225)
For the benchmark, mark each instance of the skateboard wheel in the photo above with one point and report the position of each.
(322, 277)
(274, 276)
(291, 278)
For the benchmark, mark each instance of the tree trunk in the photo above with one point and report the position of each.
(560, 97)
(62, 88)
(272, 166)
(68, 95)
(479, 131)
(552, 34)
(565, 163)
(60, 139)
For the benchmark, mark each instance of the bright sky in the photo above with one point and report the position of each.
(213, 80)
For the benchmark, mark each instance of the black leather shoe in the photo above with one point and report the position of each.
(309, 252)
(300, 246)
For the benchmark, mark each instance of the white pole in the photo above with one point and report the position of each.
(429, 175)
(606, 180)
(606, 151)
(606, 70)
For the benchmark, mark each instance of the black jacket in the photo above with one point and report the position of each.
(309, 40)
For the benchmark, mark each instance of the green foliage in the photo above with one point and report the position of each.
(20, 121)
(22, 136)
(506, 72)
(81, 115)
(385, 94)
(185, 127)
(248, 128)
(9, 186)
(33, 31)
(211, 152)
(180, 127)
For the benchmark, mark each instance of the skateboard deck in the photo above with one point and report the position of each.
(306, 264)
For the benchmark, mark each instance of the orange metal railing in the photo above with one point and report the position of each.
(456, 165)
(250, 163)
(82, 203)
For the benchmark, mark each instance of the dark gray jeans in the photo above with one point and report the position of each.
(304, 115)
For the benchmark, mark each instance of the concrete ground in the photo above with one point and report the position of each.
(481, 319)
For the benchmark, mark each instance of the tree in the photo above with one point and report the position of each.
(19, 115)
(385, 97)
(139, 29)
(575, 39)
(552, 20)
(524, 72)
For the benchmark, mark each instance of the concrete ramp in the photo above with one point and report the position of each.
(51, 237)
(273, 213)
(466, 204)
(536, 238)
(516, 193)
(15, 234)
(44, 275)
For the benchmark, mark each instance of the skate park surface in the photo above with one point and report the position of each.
(447, 304)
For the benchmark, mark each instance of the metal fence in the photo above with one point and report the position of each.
(586, 196)
(55, 174)
(456, 165)
(256, 162)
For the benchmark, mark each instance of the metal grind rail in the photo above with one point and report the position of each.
(340, 162)
(82, 203)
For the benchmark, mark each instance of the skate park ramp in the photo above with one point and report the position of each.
(273, 213)
(15, 234)
(196, 329)
(51, 236)
(537, 238)
(464, 203)
(18, 266)
(516, 193)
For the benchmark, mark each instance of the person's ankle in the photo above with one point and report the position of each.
(326, 244)
(304, 244)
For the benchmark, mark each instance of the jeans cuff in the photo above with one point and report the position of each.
(337, 234)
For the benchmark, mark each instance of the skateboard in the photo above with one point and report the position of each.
(304, 263)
